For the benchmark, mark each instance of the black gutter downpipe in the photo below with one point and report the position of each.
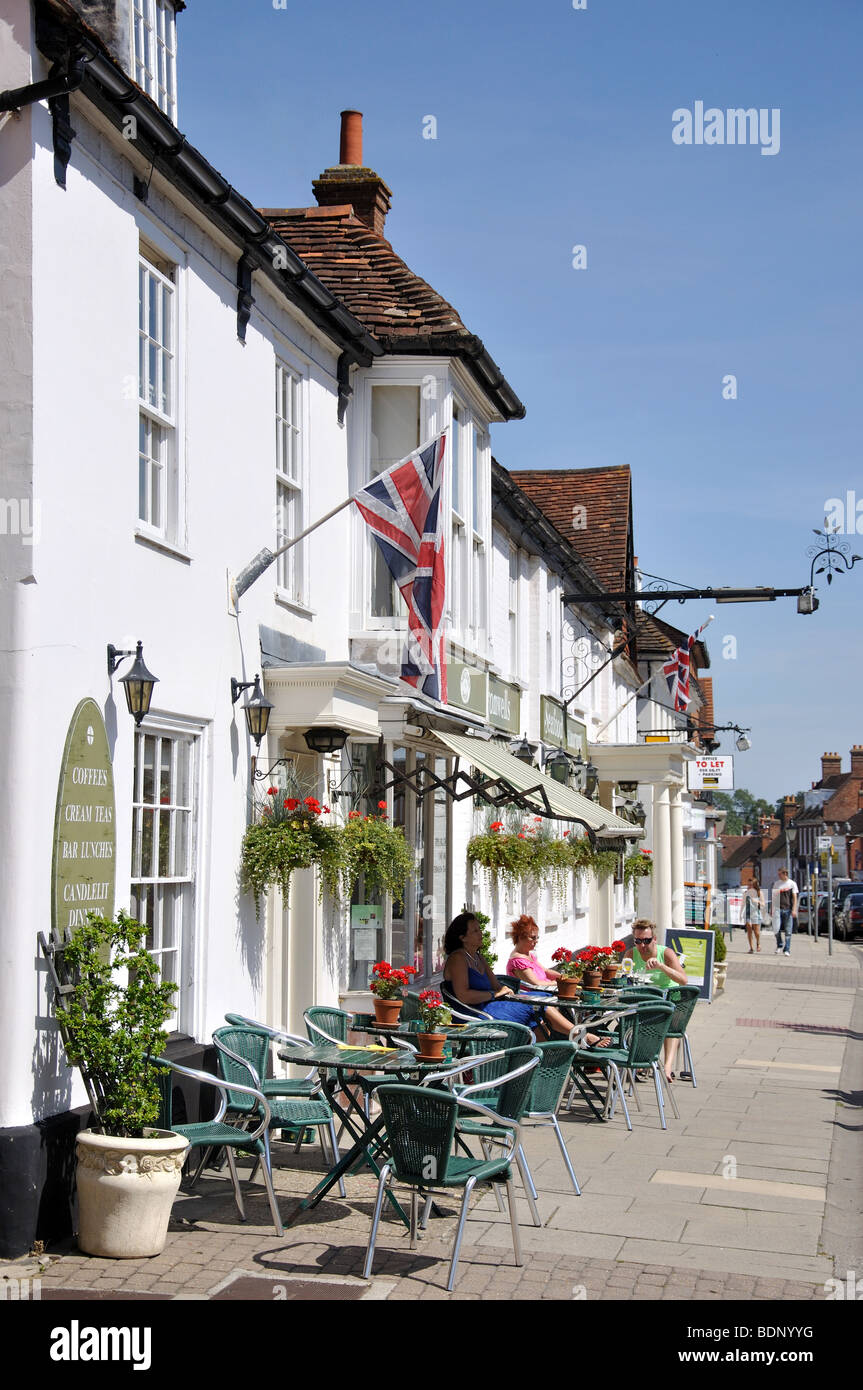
(17, 97)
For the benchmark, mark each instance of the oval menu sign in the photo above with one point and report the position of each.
(85, 830)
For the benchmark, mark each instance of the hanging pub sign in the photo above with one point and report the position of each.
(706, 774)
(85, 831)
(504, 706)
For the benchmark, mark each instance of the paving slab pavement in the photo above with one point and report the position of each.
(728, 1202)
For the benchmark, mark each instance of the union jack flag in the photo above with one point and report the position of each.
(402, 507)
(676, 671)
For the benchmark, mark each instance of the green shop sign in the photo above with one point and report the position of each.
(576, 737)
(85, 832)
(467, 687)
(552, 722)
(504, 706)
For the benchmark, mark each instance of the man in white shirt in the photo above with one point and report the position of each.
(784, 908)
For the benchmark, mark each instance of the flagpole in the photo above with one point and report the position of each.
(265, 557)
(627, 703)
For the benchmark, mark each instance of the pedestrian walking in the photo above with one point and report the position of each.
(754, 914)
(784, 909)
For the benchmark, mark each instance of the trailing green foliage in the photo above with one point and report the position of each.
(638, 864)
(486, 950)
(290, 833)
(370, 846)
(113, 1021)
(528, 851)
(720, 950)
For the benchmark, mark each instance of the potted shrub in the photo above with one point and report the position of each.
(289, 834)
(386, 986)
(112, 1023)
(371, 846)
(571, 969)
(434, 1015)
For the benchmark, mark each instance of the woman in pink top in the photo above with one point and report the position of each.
(523, 965)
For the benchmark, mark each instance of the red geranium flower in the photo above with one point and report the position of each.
(496, 825)
(272, 791)
(326, 810)
(353, 815)
(382, 805)
(292, 803)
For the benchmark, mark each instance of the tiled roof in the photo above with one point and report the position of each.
(606, 495)
(844, 803)
(654, 634)
(402, 310)
(742, 853)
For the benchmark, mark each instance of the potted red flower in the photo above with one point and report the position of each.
(386, 985)
(592, 958)
(570, 969)
(616, 952)
(434, 1015)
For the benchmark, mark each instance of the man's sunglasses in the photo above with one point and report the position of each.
(640, 940)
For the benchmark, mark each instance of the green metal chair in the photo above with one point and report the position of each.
(547, 1086)
(642, 1034)
(325, 1024)
(236, 1053)
(215, 1133)
(507, 1098)
(280, 1086)
(684, 998)
(411, 1006)
(421, 1128)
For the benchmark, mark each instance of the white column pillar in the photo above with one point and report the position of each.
(661, 856)
(678, 910)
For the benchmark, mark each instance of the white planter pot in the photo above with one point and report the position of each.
(126, 1188)
(719, 974)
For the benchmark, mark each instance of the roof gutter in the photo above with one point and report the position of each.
(60, 36)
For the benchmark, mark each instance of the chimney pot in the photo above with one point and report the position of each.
(857, 760)
(351, 139)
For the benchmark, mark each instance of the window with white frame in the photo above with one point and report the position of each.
(158, 500)
(479, 552)
(163, 851)
(154, 43)
(395, 435)
(290, 513)
(514, 613)
(458, 565)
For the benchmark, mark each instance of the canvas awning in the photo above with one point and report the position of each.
(540, 792)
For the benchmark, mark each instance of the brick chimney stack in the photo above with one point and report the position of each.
(351, 182)
(789, 809)
(769, 830)
(831, 765)
(857, 760)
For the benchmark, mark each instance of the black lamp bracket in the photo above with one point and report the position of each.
(237, 688)
(267, 773)
(115, 656)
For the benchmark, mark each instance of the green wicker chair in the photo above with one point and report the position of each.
(236, 1049)
(547, 1086)
(421, 1128)
(508, 1099)
(642, 1034)
(684, 998)
(215, 1133)
(411, 1006)
(276, 1085)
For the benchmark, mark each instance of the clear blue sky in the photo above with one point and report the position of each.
(554, 129)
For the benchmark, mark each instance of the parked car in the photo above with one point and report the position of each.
(803, 912)
(841, 891)
(850, 918)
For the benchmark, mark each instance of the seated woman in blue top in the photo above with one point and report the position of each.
(473, 983)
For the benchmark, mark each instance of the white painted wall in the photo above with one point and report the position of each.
(94, 582)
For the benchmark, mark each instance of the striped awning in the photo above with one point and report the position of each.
(541, 792)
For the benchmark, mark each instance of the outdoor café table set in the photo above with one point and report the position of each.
(338, 1065)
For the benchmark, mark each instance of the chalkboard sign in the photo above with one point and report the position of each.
(697, 947)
